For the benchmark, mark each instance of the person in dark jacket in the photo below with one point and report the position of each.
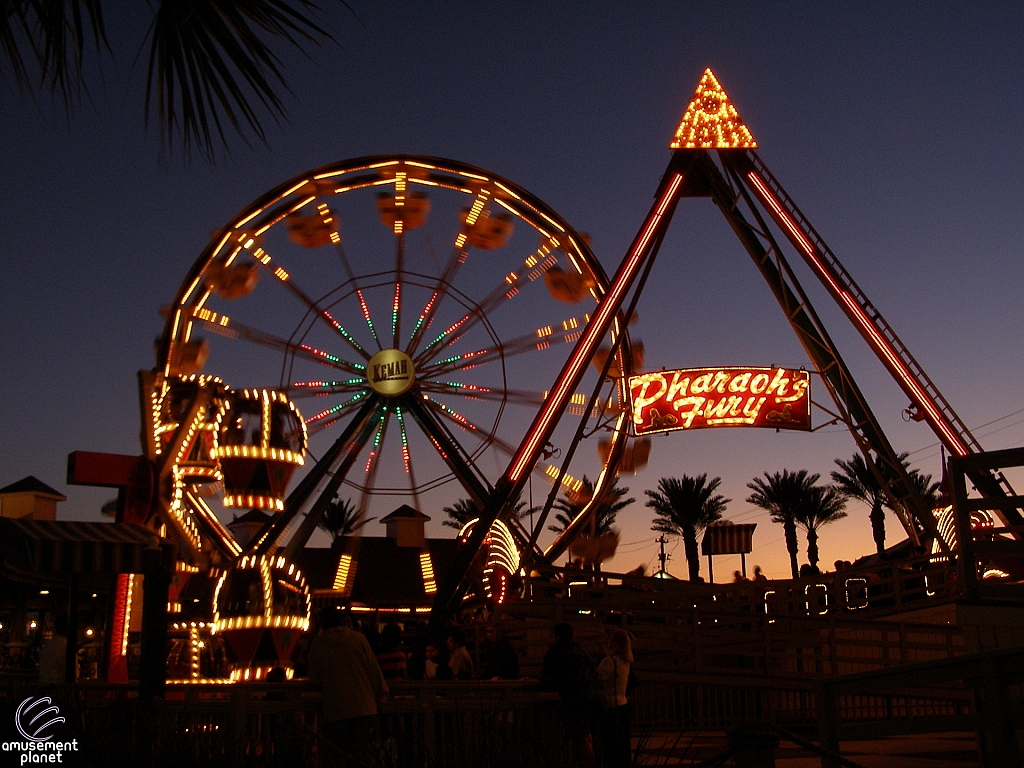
(613, 670)
(498, 659)
(391, 657)
(571, 672)
(342, 664)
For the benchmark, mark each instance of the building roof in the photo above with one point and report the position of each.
(33, 484)
(51, 546)
(405, 512)
(252, 516)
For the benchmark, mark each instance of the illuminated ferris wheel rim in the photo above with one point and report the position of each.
(330, 180)
(177, 321)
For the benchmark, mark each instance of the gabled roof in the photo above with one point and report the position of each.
(405, 512)
(33, 484)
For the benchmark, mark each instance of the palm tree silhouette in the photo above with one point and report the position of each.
(464, 510)
(684, 507)
(924, 486)
(341, 519)
(818, 506)
(460, 513)
(857, 481)
(607, 508)
(780, 495)
(211, 64)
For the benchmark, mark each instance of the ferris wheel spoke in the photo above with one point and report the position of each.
(396, 304)
(285, 279)
(425, 318)
(535, 265)
(449, 449)
(459, 254)
(306, 389)
(329, 416)
(347, 266)
(474, 392)
(366, 316)
(468, 426)
(345, 263)
(407, 458)
(570, 329)
(537, 341)
(223, 326)
(376, 448)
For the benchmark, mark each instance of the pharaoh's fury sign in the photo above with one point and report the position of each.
(695, 398)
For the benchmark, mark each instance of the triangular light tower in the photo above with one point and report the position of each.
(711, 121)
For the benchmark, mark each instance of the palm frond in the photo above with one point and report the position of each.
(209, 65)
(686, 503)
(605, 511)
(341, 518)
(460, 513)
(44, 42)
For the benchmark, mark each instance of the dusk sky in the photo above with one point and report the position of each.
(894, 127)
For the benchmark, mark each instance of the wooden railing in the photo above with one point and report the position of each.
(454, 724)
(979, 692)
(471, 723)
(993, 551)
(678, 631)
(870, 591)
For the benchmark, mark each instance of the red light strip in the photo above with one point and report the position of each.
(596, 328)
(424, 313)
(366, 315)
(395, 306)
(879, 341)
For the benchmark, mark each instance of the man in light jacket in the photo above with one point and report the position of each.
(343, 665)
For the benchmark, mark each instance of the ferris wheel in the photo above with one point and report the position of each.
(412, 310)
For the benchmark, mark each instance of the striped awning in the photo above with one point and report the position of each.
(55, 547)
(728, 539)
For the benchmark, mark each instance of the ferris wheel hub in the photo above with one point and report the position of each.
(390, 373)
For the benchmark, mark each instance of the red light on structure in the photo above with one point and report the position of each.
(696, 398)
(596, 328)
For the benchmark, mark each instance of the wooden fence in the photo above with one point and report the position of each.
(981, 692)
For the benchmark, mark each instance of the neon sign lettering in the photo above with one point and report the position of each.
(696, 398)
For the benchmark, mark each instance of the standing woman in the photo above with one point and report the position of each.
(614, 673)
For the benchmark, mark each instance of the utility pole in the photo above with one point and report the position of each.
(662, 556)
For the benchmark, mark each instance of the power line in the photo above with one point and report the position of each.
(979, 427)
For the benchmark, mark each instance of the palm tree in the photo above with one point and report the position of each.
(857, 481)
(340, 519)
(819, 505)
(780, 494)
(464, 510)
(684, 507)
(924, 486)
(607, 508)
(460, 513)
(210, 61)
